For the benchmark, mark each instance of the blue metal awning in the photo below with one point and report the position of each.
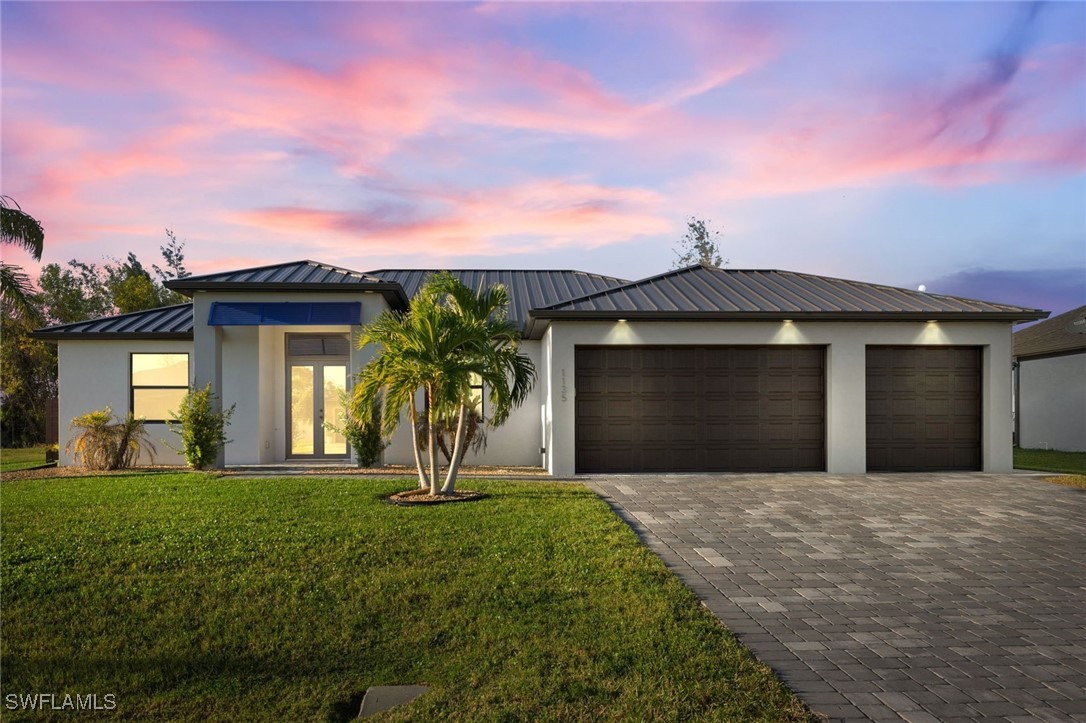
(282, 313)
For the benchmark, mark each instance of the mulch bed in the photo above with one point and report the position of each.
(423, 497)
(75, 471)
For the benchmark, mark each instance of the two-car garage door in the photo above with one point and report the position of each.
(749, 408)
(700, 408)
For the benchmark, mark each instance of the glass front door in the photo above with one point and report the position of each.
(315, 388)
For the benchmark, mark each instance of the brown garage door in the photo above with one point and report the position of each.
(923, 408)
(695, 409)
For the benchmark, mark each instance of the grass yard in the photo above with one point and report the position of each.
(1049, 460)
(193, 597)
(22, 458)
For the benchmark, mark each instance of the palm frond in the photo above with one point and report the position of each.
(20, 228)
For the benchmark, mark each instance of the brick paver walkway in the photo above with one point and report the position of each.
(886, 597)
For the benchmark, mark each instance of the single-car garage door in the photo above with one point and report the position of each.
(923, 408)
(700, 408)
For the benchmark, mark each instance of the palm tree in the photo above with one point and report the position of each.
(448, 334)
(21, 229)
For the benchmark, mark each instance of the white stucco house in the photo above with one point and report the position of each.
(696, 369)
(1050, 383)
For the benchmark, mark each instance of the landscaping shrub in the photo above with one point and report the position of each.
(361, 429)
(108, 442)
(201, 427)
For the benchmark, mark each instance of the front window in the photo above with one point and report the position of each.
(159, 382)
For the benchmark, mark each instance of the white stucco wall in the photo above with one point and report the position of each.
(96, 374)
(515, 443)
(845, 343)
(1052, 403)
(250, 364)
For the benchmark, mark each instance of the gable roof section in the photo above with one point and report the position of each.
(528, 289)
(705, 292)
(1059, 335)
(292, 276)
(167, 322)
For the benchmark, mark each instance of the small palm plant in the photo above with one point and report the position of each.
(108, 442)
(449, 336)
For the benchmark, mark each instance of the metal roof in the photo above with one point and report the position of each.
(706, 292)
(1059, 335)
(167, 322)
(528, 289)
(292, 276)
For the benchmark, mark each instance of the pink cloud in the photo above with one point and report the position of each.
(521, 219)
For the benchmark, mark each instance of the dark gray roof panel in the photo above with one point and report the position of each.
(709, 290)
(168, 322)
(1061, 334)
(293, 272)
(527, 289)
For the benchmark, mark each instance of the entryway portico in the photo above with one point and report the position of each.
(281, 352)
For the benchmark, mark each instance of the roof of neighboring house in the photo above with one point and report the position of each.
(1058, 335)
(706, 292)
(528, 289)
(292, 276)
(167, 322)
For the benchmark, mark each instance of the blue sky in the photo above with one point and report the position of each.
(901, 143)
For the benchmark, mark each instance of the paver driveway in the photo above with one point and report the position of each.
(923, 597)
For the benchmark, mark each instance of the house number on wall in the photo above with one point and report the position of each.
(564, 389)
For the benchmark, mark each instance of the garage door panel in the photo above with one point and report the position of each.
(923, 408)
(713, 408)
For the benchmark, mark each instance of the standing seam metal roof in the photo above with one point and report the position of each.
(167, 322)
(702, 288)
(528, 289)
(294, 272)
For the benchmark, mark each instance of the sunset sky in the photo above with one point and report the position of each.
(901, 143)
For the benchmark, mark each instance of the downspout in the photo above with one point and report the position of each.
(1016, 398)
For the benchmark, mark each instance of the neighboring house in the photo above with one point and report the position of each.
(1050, 383)
(697, 369)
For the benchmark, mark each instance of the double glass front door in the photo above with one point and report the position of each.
(314, 393)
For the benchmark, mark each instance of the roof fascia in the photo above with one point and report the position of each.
(55, 336)
(538, 319)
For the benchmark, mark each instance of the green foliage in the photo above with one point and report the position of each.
(173, 254)
(202, 427)
(74, 292)
(1050, 460)
(282, 599)
(82, 290)
(28, 379)
(18, 228)
(699, 245)
(361, 427)
(446, 428)
(108, 442)
(14, 459)
(449, 336)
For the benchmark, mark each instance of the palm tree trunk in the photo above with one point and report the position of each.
(423, 481)
(458, 450)
(431, 419)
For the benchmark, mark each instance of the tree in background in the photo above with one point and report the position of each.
(699, 245)
(75, 292)
(19, 229)
(81, 290)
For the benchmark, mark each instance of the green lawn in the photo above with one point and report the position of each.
(22, 458)
(1048, 460)
(193, 597)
